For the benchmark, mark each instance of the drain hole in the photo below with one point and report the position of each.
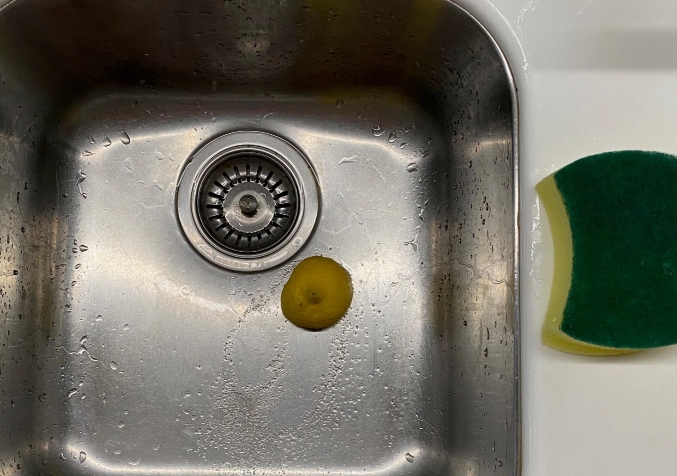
(247, 201)
(245, 213)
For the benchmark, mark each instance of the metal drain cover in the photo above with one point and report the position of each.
(248, 203)
(247, 200)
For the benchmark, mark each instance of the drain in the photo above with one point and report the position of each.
(247, 200)
(248, 203)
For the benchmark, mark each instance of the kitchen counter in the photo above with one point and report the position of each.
(592, 76)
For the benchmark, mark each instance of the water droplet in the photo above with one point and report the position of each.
(124, 138)
(409, 457)
(83, 248)
(121, 425)
(392, 137)
(133, 462)
(113, 365)
(106, 142)
(125, 327)
(377, 131)
(92, 140)
(72, 392)
(128, 163)
(99, 318)
(117, 452)
(83, 457)
(156, 447)
(339, 103)
(86, 153)
(157, 185)
(403, 145)
(347, 160)
(81, 177)
(159, 155)
(412, 167)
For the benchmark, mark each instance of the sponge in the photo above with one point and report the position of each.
(613, 218)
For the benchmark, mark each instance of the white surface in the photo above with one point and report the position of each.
(592, 76)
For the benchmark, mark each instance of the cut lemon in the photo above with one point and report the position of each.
(317, 294)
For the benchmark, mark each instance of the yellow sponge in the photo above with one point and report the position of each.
(613, 218)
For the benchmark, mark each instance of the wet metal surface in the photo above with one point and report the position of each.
(124, 351)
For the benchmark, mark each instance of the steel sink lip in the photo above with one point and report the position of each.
(517, 412)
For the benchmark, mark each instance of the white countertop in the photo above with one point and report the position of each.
(592, 76)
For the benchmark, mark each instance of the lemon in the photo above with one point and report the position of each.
(317, 294)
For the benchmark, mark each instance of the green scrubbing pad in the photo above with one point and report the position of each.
(613, 218)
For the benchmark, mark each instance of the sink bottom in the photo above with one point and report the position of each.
(181, 362)
(204, 356)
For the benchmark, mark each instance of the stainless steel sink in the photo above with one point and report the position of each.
(127, 346)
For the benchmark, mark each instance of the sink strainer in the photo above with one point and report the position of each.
(247, 200)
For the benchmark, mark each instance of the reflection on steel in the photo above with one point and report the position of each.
(131, 344)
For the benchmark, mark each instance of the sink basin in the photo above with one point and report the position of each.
(127, 346)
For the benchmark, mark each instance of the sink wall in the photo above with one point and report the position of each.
(123, 351)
